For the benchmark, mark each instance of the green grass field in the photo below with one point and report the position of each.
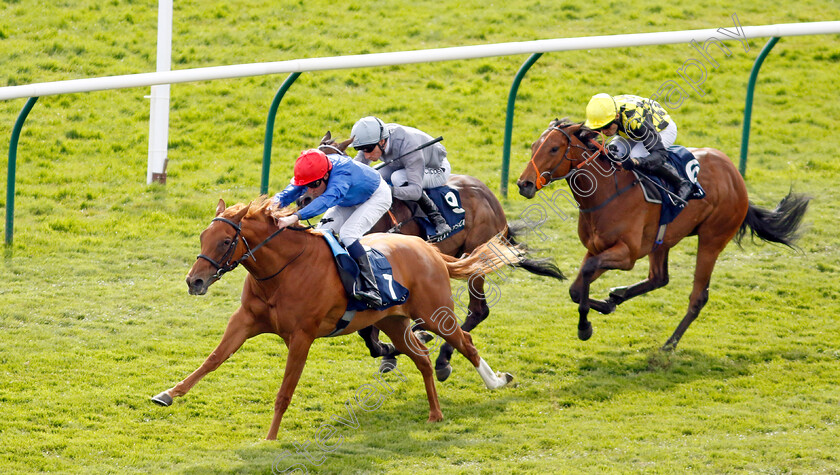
(94, 312)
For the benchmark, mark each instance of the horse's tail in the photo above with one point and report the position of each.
(485, 259)
(543, 266)
(779, 225)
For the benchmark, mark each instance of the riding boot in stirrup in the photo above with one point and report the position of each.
(668, 173)
(366, 289)
(428, 206)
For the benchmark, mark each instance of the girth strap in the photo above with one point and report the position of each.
(342, 323)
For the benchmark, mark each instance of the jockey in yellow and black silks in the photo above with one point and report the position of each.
(648, 130)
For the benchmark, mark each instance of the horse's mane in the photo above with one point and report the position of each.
(563, 123)
(581, 133)
(261, 209)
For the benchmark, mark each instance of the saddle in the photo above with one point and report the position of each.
(688, 167)
(448, 202)
(392, 292)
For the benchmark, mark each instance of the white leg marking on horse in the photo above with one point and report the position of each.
(491, 379)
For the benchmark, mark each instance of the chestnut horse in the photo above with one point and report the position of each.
(483, 219)
(617, 232)
(293, 290)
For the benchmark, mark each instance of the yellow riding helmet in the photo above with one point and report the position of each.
(600, 111)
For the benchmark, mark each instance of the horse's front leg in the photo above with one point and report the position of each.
(299, 344)
(240, 327)
(657, 277)
(616, 257)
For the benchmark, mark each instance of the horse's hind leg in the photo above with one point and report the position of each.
(708, 251)
(377, 348)
(478, 310)
(240, 327)
(399, 331)
(443, 323)
(657, 277)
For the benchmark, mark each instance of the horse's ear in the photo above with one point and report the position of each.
(343, 145)
(585, 134)
(220, 207)
(241, 214)
(327, 138)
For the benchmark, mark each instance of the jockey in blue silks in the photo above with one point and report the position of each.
(354, 197)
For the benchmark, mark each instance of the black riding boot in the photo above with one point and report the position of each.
(365, 288)
(428, 206)
(667, 172)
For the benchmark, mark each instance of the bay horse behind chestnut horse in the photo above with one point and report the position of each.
(484, 218)
(618, 232)
(294, 290)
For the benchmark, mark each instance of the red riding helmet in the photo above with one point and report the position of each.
(311, 165)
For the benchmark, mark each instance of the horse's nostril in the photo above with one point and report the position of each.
(527, 189)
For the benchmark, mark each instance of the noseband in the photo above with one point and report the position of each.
(227, 265)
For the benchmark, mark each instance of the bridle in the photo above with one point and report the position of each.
(226, 265)
(541, 180)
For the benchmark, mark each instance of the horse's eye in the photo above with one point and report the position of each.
(227, 242)
(555, 149)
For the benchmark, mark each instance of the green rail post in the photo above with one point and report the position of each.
(269, 129)
(745, 135)
(10, 177)
(509, 119)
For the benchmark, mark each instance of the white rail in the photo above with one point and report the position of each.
(405, 57)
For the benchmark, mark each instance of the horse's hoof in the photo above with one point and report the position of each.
(502, 380)
(609, 306)
(585, 333)
(443, 373)
(424, 336)
(387, 364)
(506, 377)
(618, 294)
(162, 399)
(669, 347)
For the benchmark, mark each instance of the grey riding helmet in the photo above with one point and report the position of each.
(368, 130)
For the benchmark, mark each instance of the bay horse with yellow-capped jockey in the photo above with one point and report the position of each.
(617, 226)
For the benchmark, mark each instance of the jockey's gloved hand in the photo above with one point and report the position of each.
(286, 221)
(629, 164)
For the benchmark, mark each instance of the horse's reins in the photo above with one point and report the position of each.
(397, 225)
(222, 269)
(542, 181)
